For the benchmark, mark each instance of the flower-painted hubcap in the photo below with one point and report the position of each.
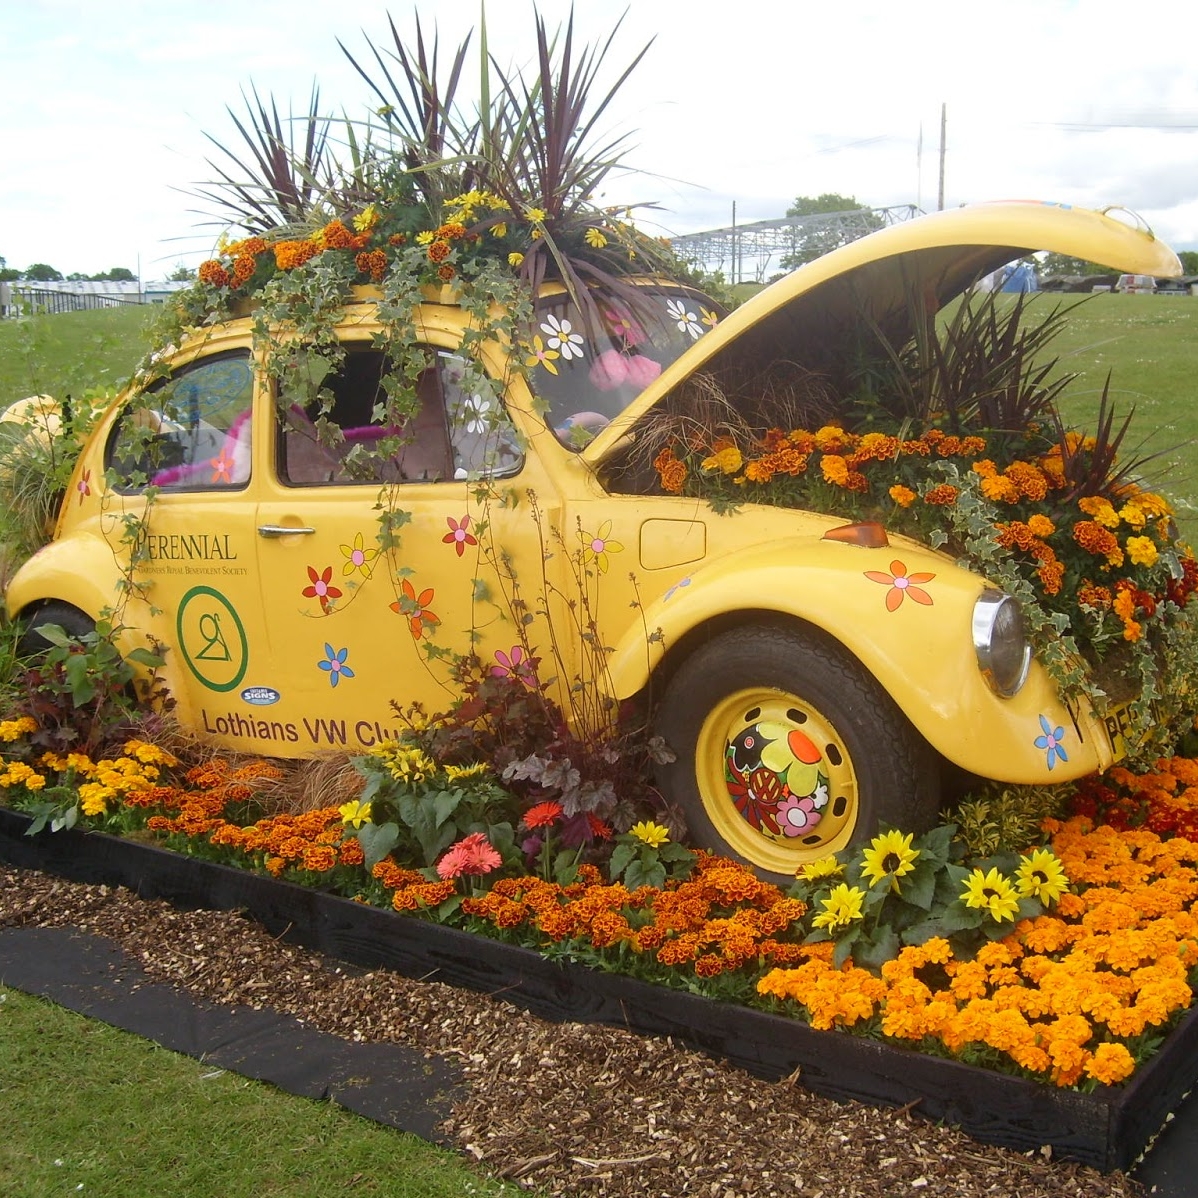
(776, 779)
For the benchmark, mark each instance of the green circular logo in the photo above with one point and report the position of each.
(212, 639)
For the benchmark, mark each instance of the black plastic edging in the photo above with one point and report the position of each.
(1106, 1129)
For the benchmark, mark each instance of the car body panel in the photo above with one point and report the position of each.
(289, 630)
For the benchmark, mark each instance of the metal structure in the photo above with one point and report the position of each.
(762, 244)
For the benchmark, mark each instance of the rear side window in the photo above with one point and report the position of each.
(344, 435)
(189, 432)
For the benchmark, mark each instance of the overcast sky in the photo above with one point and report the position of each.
(106, 104)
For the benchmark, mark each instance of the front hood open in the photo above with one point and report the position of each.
(817, 312)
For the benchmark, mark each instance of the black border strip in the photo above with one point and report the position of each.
(1106, 1129)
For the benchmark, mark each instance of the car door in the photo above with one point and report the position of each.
(179, 460)
(364, 621)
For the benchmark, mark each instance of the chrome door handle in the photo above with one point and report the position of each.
(283, 530)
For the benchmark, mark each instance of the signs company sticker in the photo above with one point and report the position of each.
(260, 696)
(212, 639)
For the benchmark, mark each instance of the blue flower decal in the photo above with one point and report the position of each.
(682, 582)
(334, 663)
(1051, 741)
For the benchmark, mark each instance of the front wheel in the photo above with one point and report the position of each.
(787, 750)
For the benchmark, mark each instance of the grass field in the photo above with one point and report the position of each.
(104, 1113)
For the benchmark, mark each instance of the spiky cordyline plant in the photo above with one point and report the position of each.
(530, 143)
(281, 183)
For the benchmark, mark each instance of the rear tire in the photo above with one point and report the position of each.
(70, 619)
(788, 749)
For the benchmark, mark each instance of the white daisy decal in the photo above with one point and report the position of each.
(684, 318)
(474, 414)
(560, 335)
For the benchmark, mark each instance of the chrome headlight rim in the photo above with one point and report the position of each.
(993, 611)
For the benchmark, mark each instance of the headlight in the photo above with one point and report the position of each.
(1000, 641)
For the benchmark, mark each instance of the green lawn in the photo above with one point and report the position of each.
(100, 1112)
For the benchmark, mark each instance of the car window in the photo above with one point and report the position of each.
(343, 436)
(188, 432)
(586, 377)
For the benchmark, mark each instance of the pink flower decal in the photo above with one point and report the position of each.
(902, 585)
(797, 816)
(321, 587)
(458, 536)
(84, 485)
(515, 665)
(415, 608)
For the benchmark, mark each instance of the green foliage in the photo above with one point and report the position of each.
(80, 690)
(40, 272)
(1189, 261)
(1063, 264)
(1006, 818)
(637, 862)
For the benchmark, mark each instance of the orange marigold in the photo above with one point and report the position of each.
(944, 495)
(212, 273)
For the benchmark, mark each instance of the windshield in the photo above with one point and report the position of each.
(587, 377)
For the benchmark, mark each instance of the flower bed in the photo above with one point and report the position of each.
(1106, 1128)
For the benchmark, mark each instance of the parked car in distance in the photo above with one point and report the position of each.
(1136, 284)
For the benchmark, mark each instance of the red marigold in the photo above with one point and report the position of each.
(439, 250)
(945, 495)
(212, 273)
(337, 235)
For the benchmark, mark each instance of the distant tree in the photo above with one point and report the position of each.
(1189, 261)
(1063, 264)
(77, 277)
(39, 272)
(813, 243)
(181, 274)
(8, 273)
(118, 274)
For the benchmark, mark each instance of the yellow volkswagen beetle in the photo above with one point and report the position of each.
(803, 702)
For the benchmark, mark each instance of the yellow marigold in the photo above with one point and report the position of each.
(759, 471)
(901, 495)
(1142, 551)
(832, 439)
(1000, 489)
(11, 729)
(1040, 526)
(835, 468)
(1110, 1064)
(728, 460)
(1099, 510)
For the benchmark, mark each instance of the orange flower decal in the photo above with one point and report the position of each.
(414, 608)
(902, 585)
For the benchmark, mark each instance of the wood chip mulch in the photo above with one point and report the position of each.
(567, 1109)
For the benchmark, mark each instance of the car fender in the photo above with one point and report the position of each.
(905, 613)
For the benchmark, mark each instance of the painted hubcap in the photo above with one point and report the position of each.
(776, 779)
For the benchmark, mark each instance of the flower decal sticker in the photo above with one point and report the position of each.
(358, 559)
(334, 665)
(320, 587)
(560, 336)
(1050, 742)
(222, 467)
(902, 585)
(84, 485)
(458, 536)
(415, 608)
(514, 665)
(684, 318)
(597, 546)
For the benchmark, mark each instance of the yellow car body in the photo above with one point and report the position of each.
(289, 630)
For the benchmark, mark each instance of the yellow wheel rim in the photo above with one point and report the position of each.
(776, 779)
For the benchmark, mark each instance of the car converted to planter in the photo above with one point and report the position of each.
(306, 563)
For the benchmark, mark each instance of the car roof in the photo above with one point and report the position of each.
(822, 306)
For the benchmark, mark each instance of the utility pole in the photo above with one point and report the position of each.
(735, 248)
(943, 128)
